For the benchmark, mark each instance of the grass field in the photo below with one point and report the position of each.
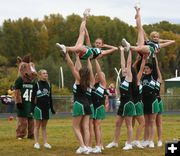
(61, 137)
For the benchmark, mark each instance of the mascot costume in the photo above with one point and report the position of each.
(23, 91)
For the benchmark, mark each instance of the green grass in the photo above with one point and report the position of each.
(61, 137)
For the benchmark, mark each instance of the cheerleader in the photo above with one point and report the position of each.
(87, 51)
(160, 102)
(126, 109)
(42, 107)
(98, 98)
(137, 98)
(146, 46)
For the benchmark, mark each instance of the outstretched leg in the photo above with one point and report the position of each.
(140, 29)
(140, 48)
(82, 29)
(80, 41)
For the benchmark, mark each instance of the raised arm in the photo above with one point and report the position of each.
(129, 64)
(92, 79)
(100, 74)
(109, 46)
(158, 70)
(154, 71)
(122, 59)
(73, 69)
(165, 43)
(109, 50)
(78, 64)
(139, 75)
(137, 61)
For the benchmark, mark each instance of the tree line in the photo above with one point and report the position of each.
(38, 37)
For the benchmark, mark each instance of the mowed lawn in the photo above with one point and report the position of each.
(64, 143)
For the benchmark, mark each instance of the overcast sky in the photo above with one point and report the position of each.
(152, 10)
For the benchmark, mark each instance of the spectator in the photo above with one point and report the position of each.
(112, 97)
(11, 93)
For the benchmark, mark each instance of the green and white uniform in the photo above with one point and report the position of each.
(42, 107)
(148, 95)
(98, 98)
(81, 104)
(157, 92)
(137, 99)
(26, 94)
(126, 107)
(89, 96)
(153, 46)
(90, 52)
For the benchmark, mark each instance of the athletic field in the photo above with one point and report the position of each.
(63, 141)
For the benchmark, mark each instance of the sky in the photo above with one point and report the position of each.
(152, 11)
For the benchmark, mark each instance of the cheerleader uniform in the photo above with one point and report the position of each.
(153, 46)
(148, 95)
(126, 107)
(90, 51)
(98, 99)
(81, 104)
(42, 106)
(160, 102)
(137, 99)
(89, 96)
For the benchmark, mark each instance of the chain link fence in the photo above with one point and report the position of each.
(64, 104)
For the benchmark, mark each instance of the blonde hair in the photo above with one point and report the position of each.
(39, 73)
(153, 33)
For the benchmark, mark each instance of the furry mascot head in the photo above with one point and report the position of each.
(27, 71)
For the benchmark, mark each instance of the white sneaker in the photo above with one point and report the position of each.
(36, 145)
(86, 12)
(81, 150)
(112, 144)
(145, 143)
(127, 146)
(19, 138)
(102, 148)
(46, 145)
(125, 44)
(159, 143)
(151, 144)
(97, 149)
(137, 144)
(62, 49)
(90, 149)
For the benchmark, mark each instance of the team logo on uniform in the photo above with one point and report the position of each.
(45, 91)
(145, 82)
(38, 92)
